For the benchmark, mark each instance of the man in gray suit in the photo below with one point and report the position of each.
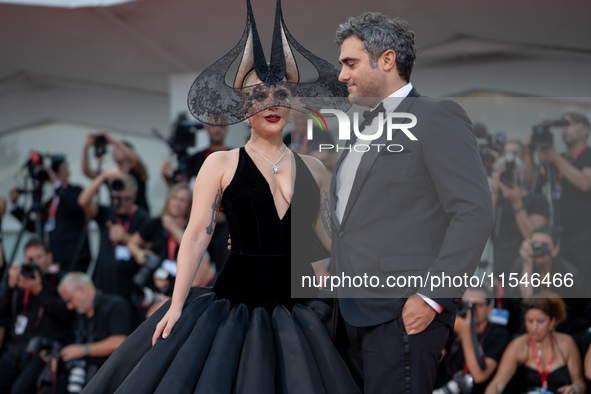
(421, 211)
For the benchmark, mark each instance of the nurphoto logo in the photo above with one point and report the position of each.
(392, 121)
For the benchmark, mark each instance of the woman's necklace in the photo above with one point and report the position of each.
(274, 168)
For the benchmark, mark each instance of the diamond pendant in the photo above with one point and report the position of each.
(275, 169)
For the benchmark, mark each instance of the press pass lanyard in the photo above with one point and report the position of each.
(172, 245)
(55, 203)
(543, 373)
(26, 302)
(571, 161)
(125, 224)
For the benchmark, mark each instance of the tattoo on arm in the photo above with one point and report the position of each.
(325, 213)
(214, 213)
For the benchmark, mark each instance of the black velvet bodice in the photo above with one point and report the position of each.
(268, 252)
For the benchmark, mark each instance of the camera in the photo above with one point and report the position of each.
(460, 384)
(28, 270)
(38, 160)
(36, 344)
(463, 308)
(144, 297)
(145, 273)
(489, 144)
(182, 138)
(509, 176)
(100, 145)
(35, 167)
(77, 376)
(116, 185)
(540, 249)
(542, 137)
(183, 135)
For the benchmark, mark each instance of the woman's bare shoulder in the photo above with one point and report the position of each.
(223, 164)
(519, 348)
(564, 340)
(221, 160)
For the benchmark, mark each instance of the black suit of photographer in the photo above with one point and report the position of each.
(103, 275)
(493, 339)
(69, 224)
(47, 316)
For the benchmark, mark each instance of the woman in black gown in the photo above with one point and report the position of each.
(247, 335)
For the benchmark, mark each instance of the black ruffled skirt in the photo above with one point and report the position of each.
(215, 348)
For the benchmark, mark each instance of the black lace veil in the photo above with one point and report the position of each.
(212, 101)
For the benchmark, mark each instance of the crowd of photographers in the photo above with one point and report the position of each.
(62, 314)
(542, 203)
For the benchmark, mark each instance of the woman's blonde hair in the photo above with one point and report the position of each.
(175, 188)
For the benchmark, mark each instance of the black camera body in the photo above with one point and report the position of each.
(464, 307)
(542, 136)
(509, 176)
(183, 135)
(36, 162)
(145, 273)
(540, 249)
(100, 145)
(116, 185)
(28, 270)
(36, 344)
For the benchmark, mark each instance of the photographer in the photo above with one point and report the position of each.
(116, 224)
(541, 360)
(540, 255)
(517, 213)
(459, 368)
(34, 308)
(62, 218)
(101, 325)
(574, 188)
(163, 235)
(124, 155)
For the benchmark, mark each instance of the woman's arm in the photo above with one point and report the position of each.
(588, 363)
(573, 363)
(85, 199)
(86, 170)
(509, 362)
(322, 223)
(197, 235)
(136, 247)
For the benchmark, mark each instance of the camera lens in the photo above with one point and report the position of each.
(117, 185)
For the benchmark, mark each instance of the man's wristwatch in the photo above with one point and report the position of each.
(86, 349)
(517, 209)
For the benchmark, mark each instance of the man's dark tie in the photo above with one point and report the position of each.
(369, 116)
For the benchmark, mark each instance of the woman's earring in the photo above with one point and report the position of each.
(290, 117)
(248, 123)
